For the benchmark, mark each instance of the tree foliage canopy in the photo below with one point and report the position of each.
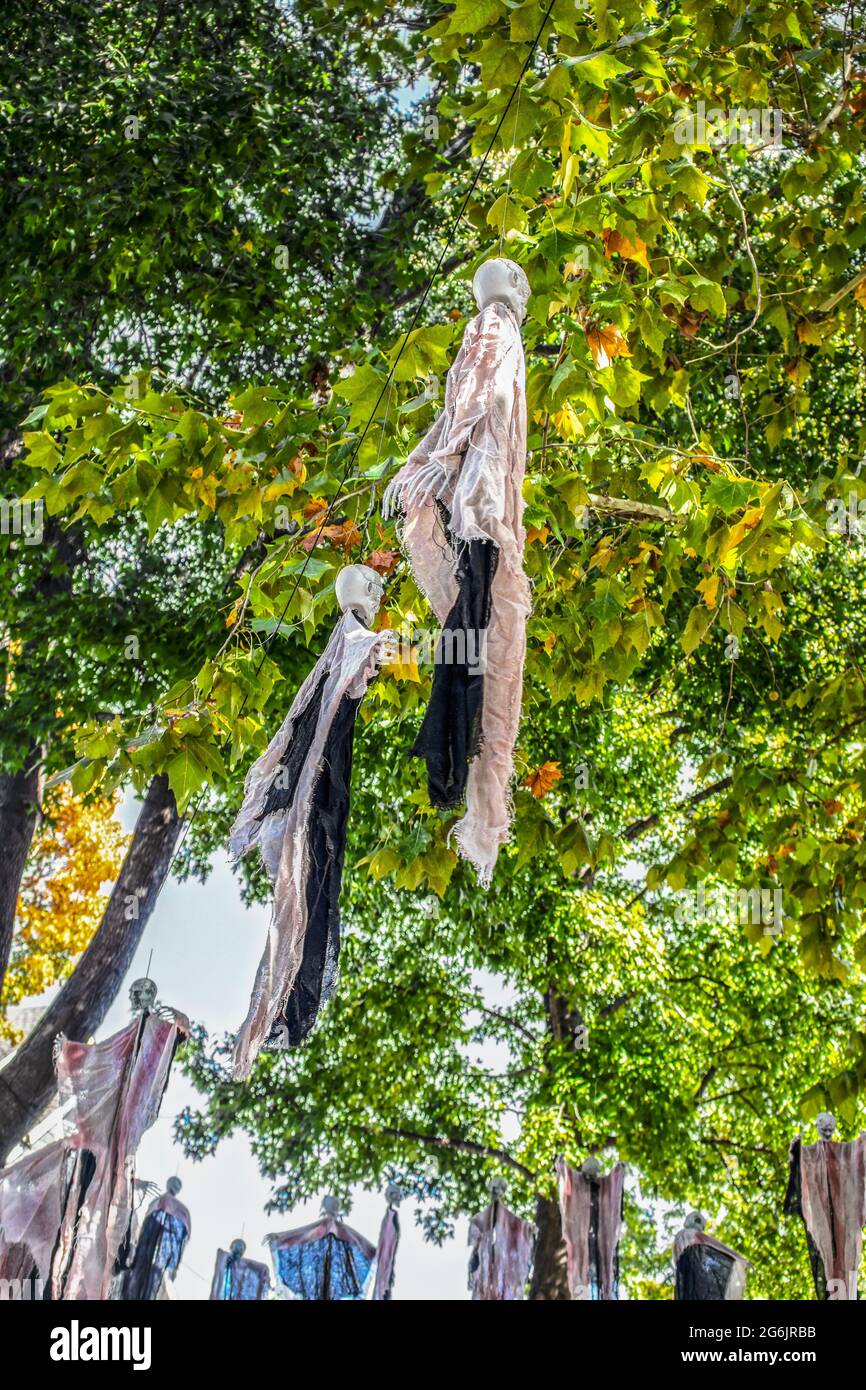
(683, 184)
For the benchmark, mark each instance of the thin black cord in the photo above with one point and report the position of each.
(266, 645)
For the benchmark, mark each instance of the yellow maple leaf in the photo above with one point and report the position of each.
(709, 588)
(566, 421)
(740, 530)
(74, 857)
(809, 333)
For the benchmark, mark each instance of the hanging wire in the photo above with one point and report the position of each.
(510, 167)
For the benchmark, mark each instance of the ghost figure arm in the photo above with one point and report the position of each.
(419, 478)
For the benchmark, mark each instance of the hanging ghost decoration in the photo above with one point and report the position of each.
(111, 1093)
(295, 811)
(827, 1188)
(380, 1280)
(502, 1247)
(81, 1187)
(706, 1270)
(31, 1209)
(460, 495)
(591, 1210)
(159, 1248)
(326, 1261)
(238, 1280)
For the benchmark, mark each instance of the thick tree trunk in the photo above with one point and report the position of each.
(549, 1278)
(19, 808)
(27, 1082)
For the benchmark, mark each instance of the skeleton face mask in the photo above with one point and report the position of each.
(826, 1125)
(142, 996)
(360, 589)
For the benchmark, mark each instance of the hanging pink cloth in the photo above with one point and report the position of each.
(70, 1203)
(480, 440)
(111, 1093)
(502, 1249)
(831, 1177)
(31, 1194)
(347, 665)
(591, 1210)
(386, 1254)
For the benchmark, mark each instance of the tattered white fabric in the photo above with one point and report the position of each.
(734, 1266)
(70, 1203)
(31, 1197)
(347, 665)
(827, 1187)
(591, 1210)
(381, 1277)
(480, 441)
(502, 1249)
(111, 1093)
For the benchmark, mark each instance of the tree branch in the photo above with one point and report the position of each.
(27, 1081)
(467, 1146)
(640, 827)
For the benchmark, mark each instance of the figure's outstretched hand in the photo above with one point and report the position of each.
(391, 503)
(403, 493)
(388, 647)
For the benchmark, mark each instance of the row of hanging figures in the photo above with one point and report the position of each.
(67, 1210)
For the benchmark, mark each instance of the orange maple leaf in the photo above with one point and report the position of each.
(605, 344)
(543, 779)
(315, 507)
(537, 533)
(616, 244)
(383, 561)
(343, 536)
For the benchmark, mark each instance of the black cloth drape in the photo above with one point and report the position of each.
(702, 1274)
(329, 816)
(450, 734)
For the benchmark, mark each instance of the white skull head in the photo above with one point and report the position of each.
(825, 1125)
(501, 281)
(173, 1186)
(360, 590)
(142, 996)
(695, 1221)
(590, 1167)
(237, 1248)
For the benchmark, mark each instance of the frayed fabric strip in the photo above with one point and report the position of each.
(480, 439)
(295, 811)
